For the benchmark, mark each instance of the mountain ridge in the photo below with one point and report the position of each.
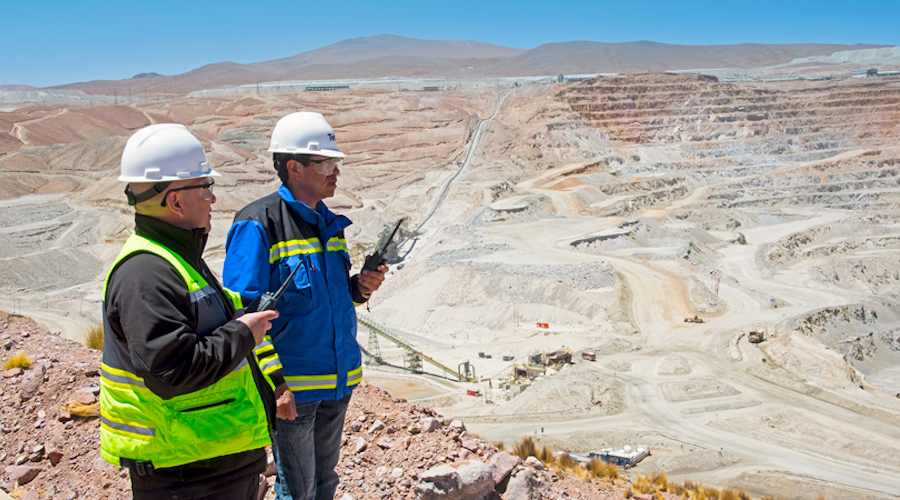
(385, 56)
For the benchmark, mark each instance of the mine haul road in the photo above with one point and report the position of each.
(659, 304)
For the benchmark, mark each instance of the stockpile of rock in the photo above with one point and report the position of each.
(390, 448)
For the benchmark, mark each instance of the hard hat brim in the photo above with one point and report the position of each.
(169, 178)
(330, 153)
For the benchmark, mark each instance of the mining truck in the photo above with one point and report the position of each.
(756, 336)
(695, 319)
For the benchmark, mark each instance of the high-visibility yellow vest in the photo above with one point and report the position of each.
(137, 425)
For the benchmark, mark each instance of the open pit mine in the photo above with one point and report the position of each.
(704, 268)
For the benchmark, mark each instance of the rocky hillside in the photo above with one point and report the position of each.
(391, 448)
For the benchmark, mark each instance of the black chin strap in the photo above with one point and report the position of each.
(134, 199)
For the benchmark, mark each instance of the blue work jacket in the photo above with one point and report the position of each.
(312, 345)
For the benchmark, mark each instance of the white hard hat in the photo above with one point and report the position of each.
(162, 153)
(304, 133)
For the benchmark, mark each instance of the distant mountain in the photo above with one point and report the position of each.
(596, 57)
(17, 87)
(387, 46)
(396, 56)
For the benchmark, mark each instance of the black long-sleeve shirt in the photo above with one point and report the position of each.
(148, 305)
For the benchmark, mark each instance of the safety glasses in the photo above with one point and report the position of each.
(327, 166)
(206, 191)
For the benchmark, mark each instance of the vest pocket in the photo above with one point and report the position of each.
(298, 297)
(211, 417)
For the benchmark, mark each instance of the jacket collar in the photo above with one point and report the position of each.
(326, 221)
(188, 245)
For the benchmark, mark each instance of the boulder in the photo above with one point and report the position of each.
(361, 445)
(504, 464)
(22, 474)
(84, 397)
(524, 486)
(471, 480)
(376, 426)
(32, 382)
(54, 455)
(430, 424)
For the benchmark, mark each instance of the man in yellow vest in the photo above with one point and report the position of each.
(184, 404)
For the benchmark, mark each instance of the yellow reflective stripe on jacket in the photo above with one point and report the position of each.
(284, 249)
(336, 244)
(122, 379)
(270, 366)
(354, 377)
(125, 380)
(265, 347)
(268, 358)
(312, 382)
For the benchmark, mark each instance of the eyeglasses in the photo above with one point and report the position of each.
(206, 191)
(327, 166)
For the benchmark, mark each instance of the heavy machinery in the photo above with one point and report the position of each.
(539, 361)
(695, 319)
(756, 336)
(412, 358)
(551, 358)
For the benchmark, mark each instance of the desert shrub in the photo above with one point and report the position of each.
(17, 492)
(564, 461)
(82, 410)
(603, 470)
(643, 484)
(661, 481)
(525, 448)
(500, 445)
(18, 360)
(581, 473)
(728, 495)
(546, 455)
(94, 338)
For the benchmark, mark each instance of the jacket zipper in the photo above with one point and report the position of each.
(211, 405)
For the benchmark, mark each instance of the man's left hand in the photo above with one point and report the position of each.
(285, 408)
(369, 281)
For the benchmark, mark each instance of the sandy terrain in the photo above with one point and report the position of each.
(599, 208)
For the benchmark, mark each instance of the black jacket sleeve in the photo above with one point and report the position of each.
(149, 305)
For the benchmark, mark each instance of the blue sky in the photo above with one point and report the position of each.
(48, 43)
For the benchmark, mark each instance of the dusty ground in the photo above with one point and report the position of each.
(49, 453)
(600, 208)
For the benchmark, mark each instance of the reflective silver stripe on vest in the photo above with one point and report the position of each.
(352, 379)
(268, 364)
(206, 291)
(243, 364)
(120, 379)
(144, 431)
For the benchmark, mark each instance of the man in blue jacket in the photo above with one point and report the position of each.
(310, 354)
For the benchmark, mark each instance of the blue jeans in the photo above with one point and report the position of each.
(307, 450)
